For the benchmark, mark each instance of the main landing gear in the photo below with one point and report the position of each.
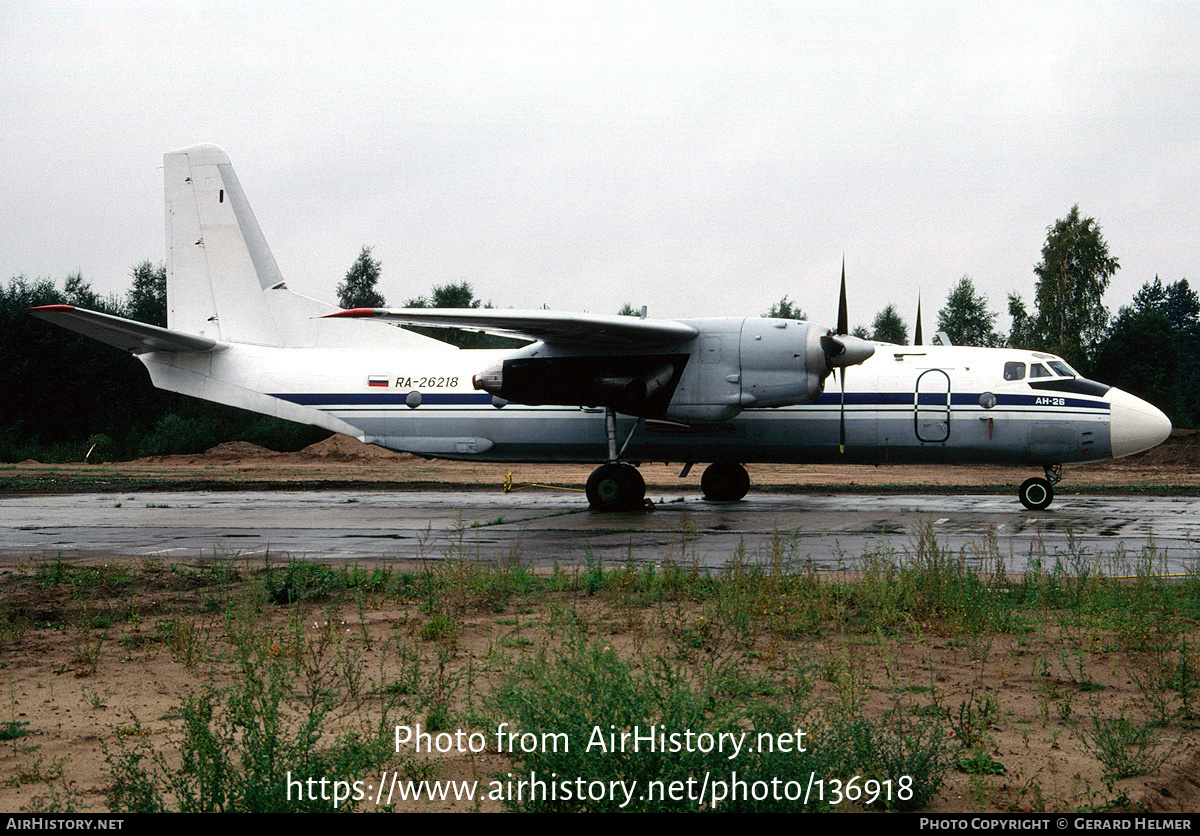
(725, 482)
(615, 486)
(619, 486)
(1036, 494)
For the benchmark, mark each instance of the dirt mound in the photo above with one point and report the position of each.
(238, 450)
(1181, 450)
(344, 448)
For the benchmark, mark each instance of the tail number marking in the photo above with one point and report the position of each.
(426, 382)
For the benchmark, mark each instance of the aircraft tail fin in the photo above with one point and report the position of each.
(223, 282)
(218, 263)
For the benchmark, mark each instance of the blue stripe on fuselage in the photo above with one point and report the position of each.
(905, 399)
(380, 398)
(858, 399)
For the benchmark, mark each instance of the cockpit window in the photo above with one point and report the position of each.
(1014, 371)
(1038, 370)
(1059, 367)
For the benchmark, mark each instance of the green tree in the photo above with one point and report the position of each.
(453, 295)
(889, 327)
(1177, 302)
(629, 310)
(1072, 276)
(966, 319)
(62, 392)
(1141, 354)
(458, 295)
(358, 289)
(79, 293)
(785, 309)
(59, 388)
(1021, 334)
(146, 300)
(1166, 366)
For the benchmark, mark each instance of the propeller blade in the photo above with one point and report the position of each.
(840, 348)
(917, 331)
(842, 420)
(835, 348)
(843, 323)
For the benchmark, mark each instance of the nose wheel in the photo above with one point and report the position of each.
(1036, 494)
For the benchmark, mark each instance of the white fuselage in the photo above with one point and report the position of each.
(906, 404)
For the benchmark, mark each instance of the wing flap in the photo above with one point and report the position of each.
(556, 327)
(130, 335)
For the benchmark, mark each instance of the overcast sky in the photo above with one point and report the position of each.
(700, 158)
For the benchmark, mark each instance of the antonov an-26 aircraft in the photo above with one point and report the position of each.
(614, 390)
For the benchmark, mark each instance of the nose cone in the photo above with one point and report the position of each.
(1135, 425)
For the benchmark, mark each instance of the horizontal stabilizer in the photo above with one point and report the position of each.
(565, 329)
(130, 335)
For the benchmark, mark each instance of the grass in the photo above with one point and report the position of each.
(296, 673)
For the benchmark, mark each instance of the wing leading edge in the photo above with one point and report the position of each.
(573, 330)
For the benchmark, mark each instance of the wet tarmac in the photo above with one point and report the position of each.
(830, 531)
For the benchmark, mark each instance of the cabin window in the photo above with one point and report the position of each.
(1038, 370)
(1014, 371)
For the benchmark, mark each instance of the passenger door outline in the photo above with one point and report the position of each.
(931, 407)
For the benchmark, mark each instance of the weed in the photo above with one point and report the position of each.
(51, 574)
(586, 702)
(12, 729)
(1124, 748)
(87, 653)
(980, 763)
(35, 772)
(921, 753)
(181, 637)
(240, 749)
(974, 717)
(439, 628)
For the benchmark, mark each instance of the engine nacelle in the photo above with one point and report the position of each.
(731, 365)
(782, 362)
(756, 363)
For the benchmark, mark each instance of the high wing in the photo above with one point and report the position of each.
(698, 370)
(569, 330)
(625, 363)
(134, 337)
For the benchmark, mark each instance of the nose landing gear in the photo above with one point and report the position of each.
(1036, 494)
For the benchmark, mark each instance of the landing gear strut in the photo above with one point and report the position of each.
(725, 482)
(1036, 494)
(615, 486)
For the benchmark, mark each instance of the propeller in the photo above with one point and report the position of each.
(843, 327)
(842, 350)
